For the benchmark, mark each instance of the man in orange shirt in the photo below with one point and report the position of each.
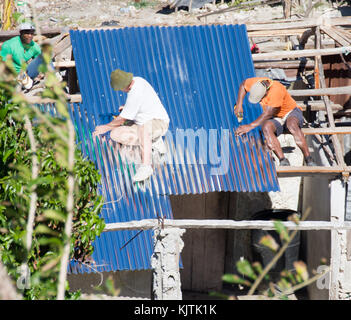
(279, 111)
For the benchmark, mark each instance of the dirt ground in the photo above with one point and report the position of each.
(93, 13)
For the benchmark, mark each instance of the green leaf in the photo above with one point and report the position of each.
(282, 230)
(7, 154)
(245, 268)
(43, 229)
(233, 278)
(3, 113)
(54, 215)
(269, 242)
(301, 269)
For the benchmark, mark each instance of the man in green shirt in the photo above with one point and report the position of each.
(22, 48)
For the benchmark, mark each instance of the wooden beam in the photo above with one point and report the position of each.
(302, 24)
(64, 64)
(306, 169)
(299, 53)
(332, 33)
(147, 224)
(321, 92)
(5, 35)
(329, 131)
(276, 33)
(295, 64)
(318, 106)
(73, 98)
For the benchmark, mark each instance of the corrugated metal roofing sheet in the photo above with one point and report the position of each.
(196, 71)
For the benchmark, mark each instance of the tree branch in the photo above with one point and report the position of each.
(69, 207)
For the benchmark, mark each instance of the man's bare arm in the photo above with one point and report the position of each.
(269, 113)
(241, 95)
(118, 121)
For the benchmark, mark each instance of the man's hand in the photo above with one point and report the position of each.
(238, 111)
(101, 129)
(120, 108)
(243, 129)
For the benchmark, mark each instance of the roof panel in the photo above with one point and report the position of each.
(196, 71)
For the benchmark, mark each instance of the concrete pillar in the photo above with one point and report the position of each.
(340, 274)
(168, 245)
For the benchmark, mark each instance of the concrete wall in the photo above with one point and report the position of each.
(203, 255)
(136, 284)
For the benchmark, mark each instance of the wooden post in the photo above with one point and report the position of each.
(335, 140)
(287, 8)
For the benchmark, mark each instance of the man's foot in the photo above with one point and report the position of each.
(159, 146)
(309, 162)
(284, 162)
(144, 172)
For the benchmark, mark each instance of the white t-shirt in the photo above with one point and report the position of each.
(143, 104)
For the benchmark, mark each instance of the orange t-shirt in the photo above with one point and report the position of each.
(276, 97)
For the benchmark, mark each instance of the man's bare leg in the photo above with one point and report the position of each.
(269, 130)
(293, 126)
(144, 135)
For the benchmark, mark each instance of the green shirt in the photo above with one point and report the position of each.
(20, 52)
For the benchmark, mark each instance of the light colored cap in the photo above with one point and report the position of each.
(257, 92)
(26, 26)
(120, 79)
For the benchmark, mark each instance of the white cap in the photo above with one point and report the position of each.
(26, 26)
(257, 92)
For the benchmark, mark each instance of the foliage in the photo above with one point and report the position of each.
(17, 186)
(252, 274)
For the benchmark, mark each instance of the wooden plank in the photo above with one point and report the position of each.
(306, 169)
(284, 64)
(303, 24)
(335, 130)
(64, 64)
(148, 224)
(37, 100)
(321, 92)
(62, 45)
(299, 53)
(317, 171)
(276, 33)
(332, 34)
(318, 106)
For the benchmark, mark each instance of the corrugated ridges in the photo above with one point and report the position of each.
(196, 70)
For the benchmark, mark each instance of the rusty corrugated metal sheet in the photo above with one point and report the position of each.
(338, 74)
(196, 71)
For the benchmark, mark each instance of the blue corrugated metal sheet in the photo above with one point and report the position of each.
(196, 71)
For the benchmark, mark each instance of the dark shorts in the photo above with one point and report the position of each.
(297, 113)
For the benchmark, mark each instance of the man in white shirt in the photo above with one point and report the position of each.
(144, 107)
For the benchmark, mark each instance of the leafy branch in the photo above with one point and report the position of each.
(290, 281)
